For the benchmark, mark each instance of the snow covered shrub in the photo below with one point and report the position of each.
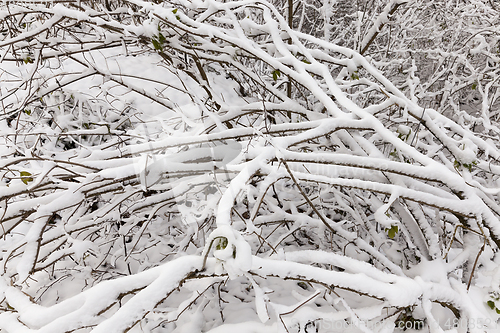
(442, 54)
(158, 175)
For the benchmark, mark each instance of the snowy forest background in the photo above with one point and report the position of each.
(219, 166)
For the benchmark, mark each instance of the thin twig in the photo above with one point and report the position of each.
(307, 198)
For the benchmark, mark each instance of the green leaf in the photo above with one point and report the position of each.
(468, 166)
(221, 243)
(28, 112)
(491, 304)
(303, 285)
(276, 74)
(161, 38)
(497, 310)
(156, 44)
(392, 231)
(176, 16)
(355, 76)
(474, 86)
(28, 60)
(24, 177)
(404, 137)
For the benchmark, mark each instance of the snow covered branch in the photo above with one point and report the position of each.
(158, 172)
